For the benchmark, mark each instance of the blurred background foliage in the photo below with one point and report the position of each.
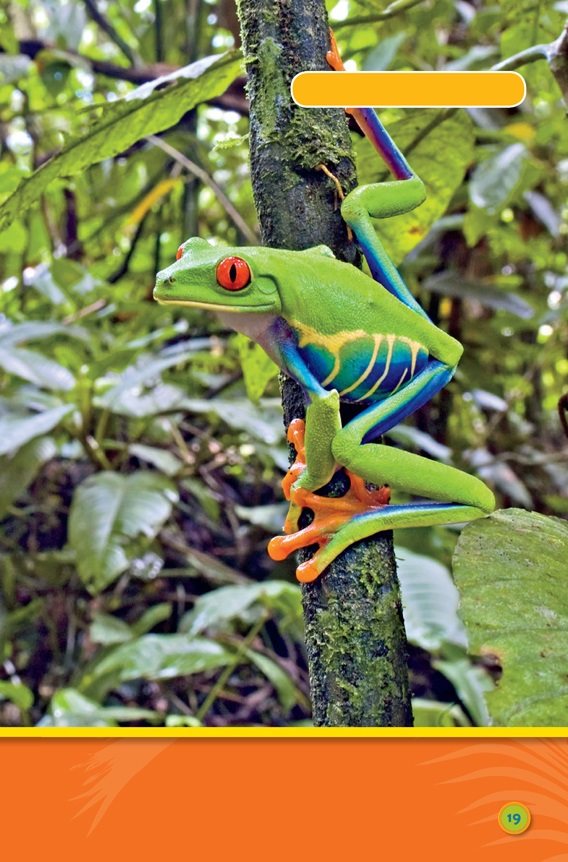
(141, 449)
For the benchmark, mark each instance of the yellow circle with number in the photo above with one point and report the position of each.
(514, 818)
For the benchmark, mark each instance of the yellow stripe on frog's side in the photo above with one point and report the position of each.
(390, 342)
(335, 342)
(377, 339)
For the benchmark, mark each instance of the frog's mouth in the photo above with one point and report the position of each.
(213, 306)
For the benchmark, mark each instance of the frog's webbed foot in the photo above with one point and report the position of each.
(331, 514)
(333, 57)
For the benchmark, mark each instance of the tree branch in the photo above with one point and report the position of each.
(97, 16)
(355, 638)
(396, 8)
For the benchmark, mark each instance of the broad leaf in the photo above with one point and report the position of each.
(18, 426)
(439, 152)
(494, 181)
(430, 602)
(451, 284)
(111, 517)
(288, 694)
(17, 471)
(155, 657)
(258, 368)
(19, 694)
(36, 368)
(511, 571)
(70, 708)
(218, 607)
(145, 111)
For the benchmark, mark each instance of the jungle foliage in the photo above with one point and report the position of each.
(141, 450)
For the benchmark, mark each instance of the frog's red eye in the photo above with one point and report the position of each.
(233, 273)
(179, 252)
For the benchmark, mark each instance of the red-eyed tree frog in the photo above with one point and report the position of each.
(344, 337)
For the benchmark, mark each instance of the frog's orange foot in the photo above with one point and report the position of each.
(330, 515)
(333, 58)
(295, 435)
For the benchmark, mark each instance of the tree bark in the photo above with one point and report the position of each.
(355, 637)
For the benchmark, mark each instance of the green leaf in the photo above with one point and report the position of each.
(452, 284)
(70, 708)
(288, 694)
(182, 721)
(18, 426)
(218, 607)
(430, 602)
(12, 334)
(510, 569)
(432, 713)
(156, 657)
(111, 518)
(494, 180)
(470, 682)
(17, 471)
(440, 154)
(18, 693)
(162, 459)
(149, 109)
(36, 368)
(152, 617)
(270, 517)
(263, 422)
(258, 367)
(106, 629)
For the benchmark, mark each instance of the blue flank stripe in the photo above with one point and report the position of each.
(405, 509)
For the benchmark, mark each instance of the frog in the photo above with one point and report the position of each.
(347, 337)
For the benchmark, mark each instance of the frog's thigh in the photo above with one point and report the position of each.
(323, 423)
(412, 474)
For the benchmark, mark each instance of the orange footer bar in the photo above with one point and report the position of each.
(409, 89)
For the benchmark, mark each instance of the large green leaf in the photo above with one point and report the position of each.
(258, 367)
(439, 152)
(218, 607)
(494, 181)
(70, 708)
(154, 657)
(36, 368)
(511, 571)
(18, 426)
(17, 471)
(147, 110)
(111, 518)
(430, 601)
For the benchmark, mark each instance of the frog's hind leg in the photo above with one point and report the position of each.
(378, 520)
(406, 471)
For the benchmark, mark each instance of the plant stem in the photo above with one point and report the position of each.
(396, 8)
(226, 674)
(355, 638)
(529, 55)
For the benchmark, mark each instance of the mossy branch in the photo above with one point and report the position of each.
(355, 636)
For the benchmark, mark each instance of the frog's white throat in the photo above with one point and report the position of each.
(256, 325)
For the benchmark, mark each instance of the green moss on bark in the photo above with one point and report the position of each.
(355, 636)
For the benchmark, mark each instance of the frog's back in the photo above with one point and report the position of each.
(353, 335)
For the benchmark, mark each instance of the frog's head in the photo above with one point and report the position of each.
(219, 279)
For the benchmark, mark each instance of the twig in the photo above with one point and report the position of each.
(96, 15)
(225, 676)
(529, 55)
(123, 268)
(396, 8)
(207, 180)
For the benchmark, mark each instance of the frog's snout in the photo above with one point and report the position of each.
(164, 285)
